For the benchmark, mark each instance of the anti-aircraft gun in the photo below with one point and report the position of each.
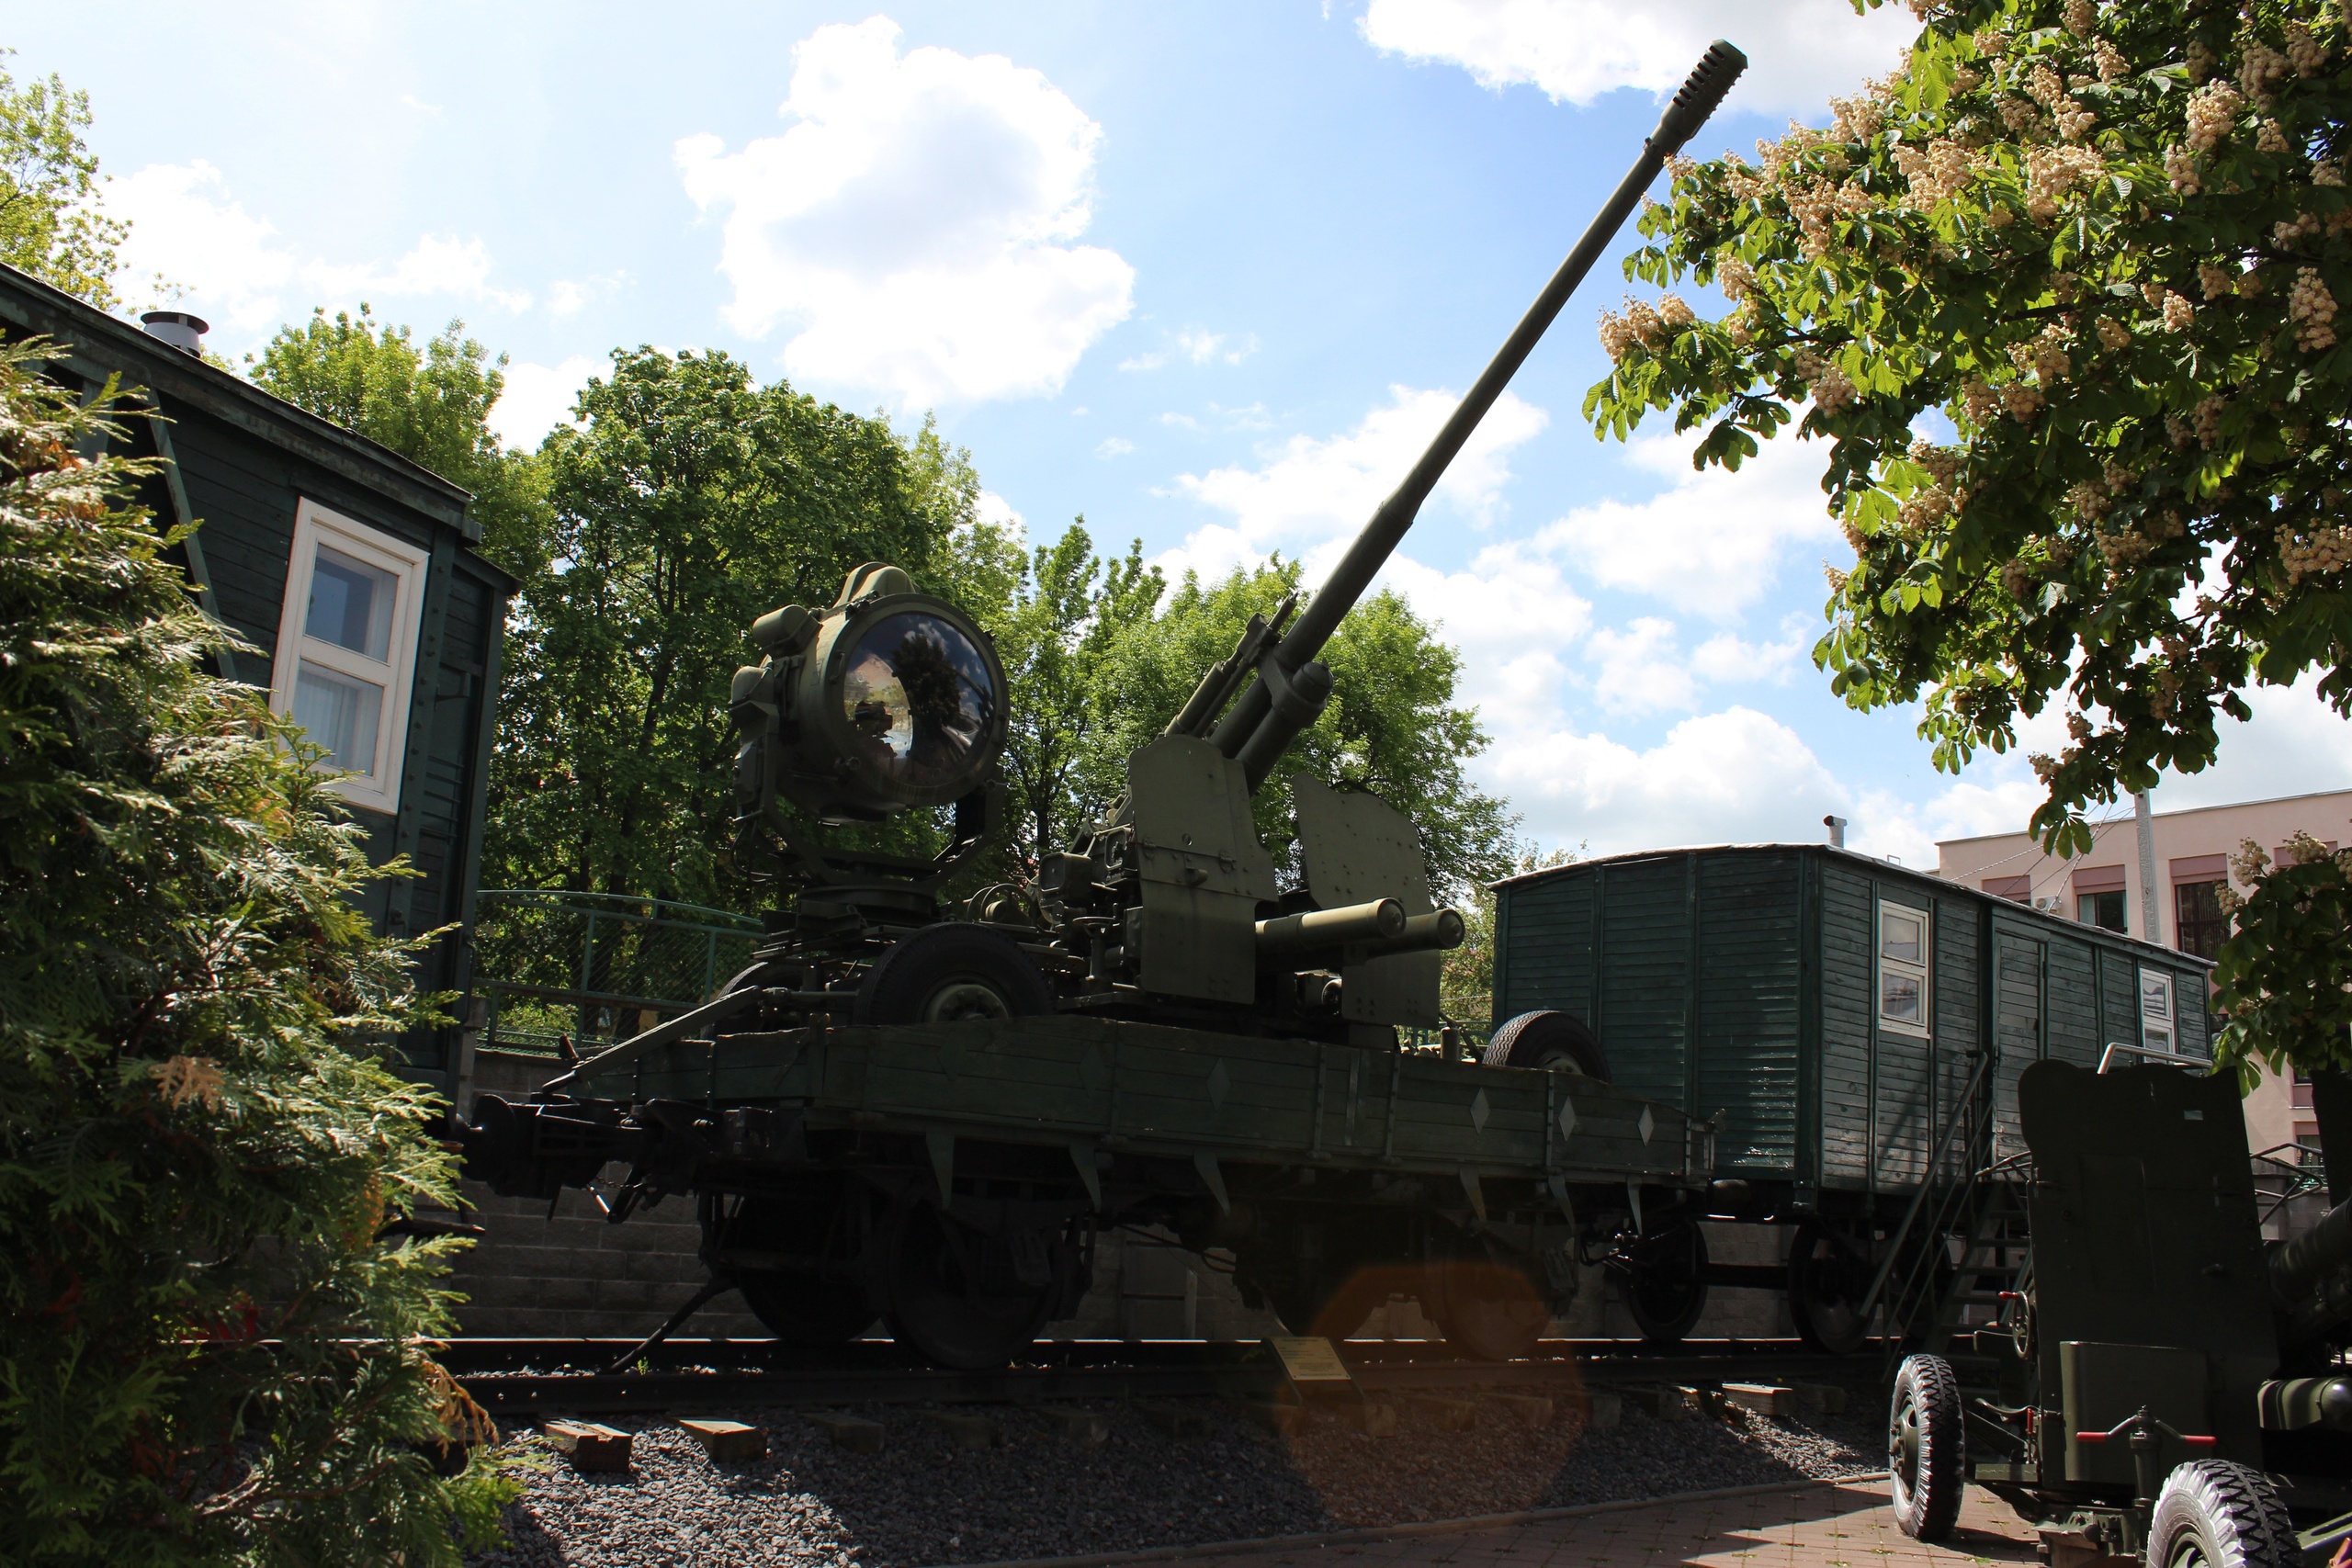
(902, 1112)
(2163, 1384)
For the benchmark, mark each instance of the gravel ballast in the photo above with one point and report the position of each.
(924, 1500)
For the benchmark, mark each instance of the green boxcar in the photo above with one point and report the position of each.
(1828, 1009)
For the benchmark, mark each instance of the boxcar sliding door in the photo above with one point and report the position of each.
(2017, 1030)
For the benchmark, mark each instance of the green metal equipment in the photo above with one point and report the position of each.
(904, 1111)
(2164, 1385)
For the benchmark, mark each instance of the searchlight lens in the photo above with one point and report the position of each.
(922, 701)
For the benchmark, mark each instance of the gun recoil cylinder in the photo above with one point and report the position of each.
(1319, 929)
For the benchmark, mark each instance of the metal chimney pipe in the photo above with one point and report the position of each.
(1836, 826)
(182, 330)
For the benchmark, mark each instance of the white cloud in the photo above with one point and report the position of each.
(537, 398)
(1310, 490)
(1737, 777)
(1152, 361)
(1725, 658)
(913, 222)
(1641, 669)
(1114, 446)
(994, 508)
(1800, 51)
(242, 277)
(1713, 542)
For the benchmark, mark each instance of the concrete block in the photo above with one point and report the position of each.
(1373, 1417)
(1086, 1427)
(1603, 1410)
(591, 1446)
(728, 1442)
(1527, 1409)
(1177, 1421)
(1665, 1402)
(855, 1433)
(967, 1431)
(1445, 1414)
(1828, 1398)
(1760, 1399)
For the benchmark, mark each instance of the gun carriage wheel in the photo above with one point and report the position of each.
(1925, 1447)
(952, 972)
(1548, 1039)
(2216, 1513)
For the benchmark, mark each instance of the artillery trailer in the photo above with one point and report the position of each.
(909, 1112)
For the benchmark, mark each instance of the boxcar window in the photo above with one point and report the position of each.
(346, 648)
(1901, 968)
(2156, 1022)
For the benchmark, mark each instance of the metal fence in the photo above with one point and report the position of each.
(596, 967)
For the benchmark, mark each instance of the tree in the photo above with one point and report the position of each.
(210, 1352)
(693, 502)
(1392, 728)
(49, 224)
(2284, 977)
(2105, 243)
(1055, 616)
(432, 406)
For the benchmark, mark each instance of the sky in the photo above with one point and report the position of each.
(1208, 274)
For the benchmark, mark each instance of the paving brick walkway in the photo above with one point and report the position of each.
(1841, 1526)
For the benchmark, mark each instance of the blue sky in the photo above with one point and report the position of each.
(1206, 273)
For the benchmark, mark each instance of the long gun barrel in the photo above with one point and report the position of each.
(1292, 687)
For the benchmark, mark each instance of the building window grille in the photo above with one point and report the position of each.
(2199, 923)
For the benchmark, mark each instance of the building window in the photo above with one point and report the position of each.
(2156, 1011)
(2104, 909)
(346, 648)
(2199, 923)
(1903, 960)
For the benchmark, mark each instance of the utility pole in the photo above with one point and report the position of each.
(2146, 821)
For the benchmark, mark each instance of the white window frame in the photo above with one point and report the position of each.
(315, 525)
(2165, 1033)
(1923, 971)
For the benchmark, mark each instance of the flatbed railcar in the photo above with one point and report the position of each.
(1855, 1029)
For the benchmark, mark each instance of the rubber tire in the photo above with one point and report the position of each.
(1548, 1039)
(1925, 1440)
(2215, 1512)
(1664, 1316)
(800, 1311)
(923, 978)
(1811, 1278)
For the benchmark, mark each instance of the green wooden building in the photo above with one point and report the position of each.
(1826, 1007)
(353, 572)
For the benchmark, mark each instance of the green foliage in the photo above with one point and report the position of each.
(1392, 727)
(2107, 241)
(206, 1353)
(2284, 977)
(1055, 616)
(50, 225)
(430, 405)
(692, 503)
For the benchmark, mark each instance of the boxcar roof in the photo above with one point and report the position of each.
(1876, 867)
(102, 345)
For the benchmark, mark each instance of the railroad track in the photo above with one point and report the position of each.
(511, 1377)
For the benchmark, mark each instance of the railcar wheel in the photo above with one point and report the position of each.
(1489, 1311)
(966, 1299)
(1924, 1439)
(1826, 1284)
(951, 972)
(1548, 1039)
(800, 1311)
(1667, 1289)
(2212, 1513)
